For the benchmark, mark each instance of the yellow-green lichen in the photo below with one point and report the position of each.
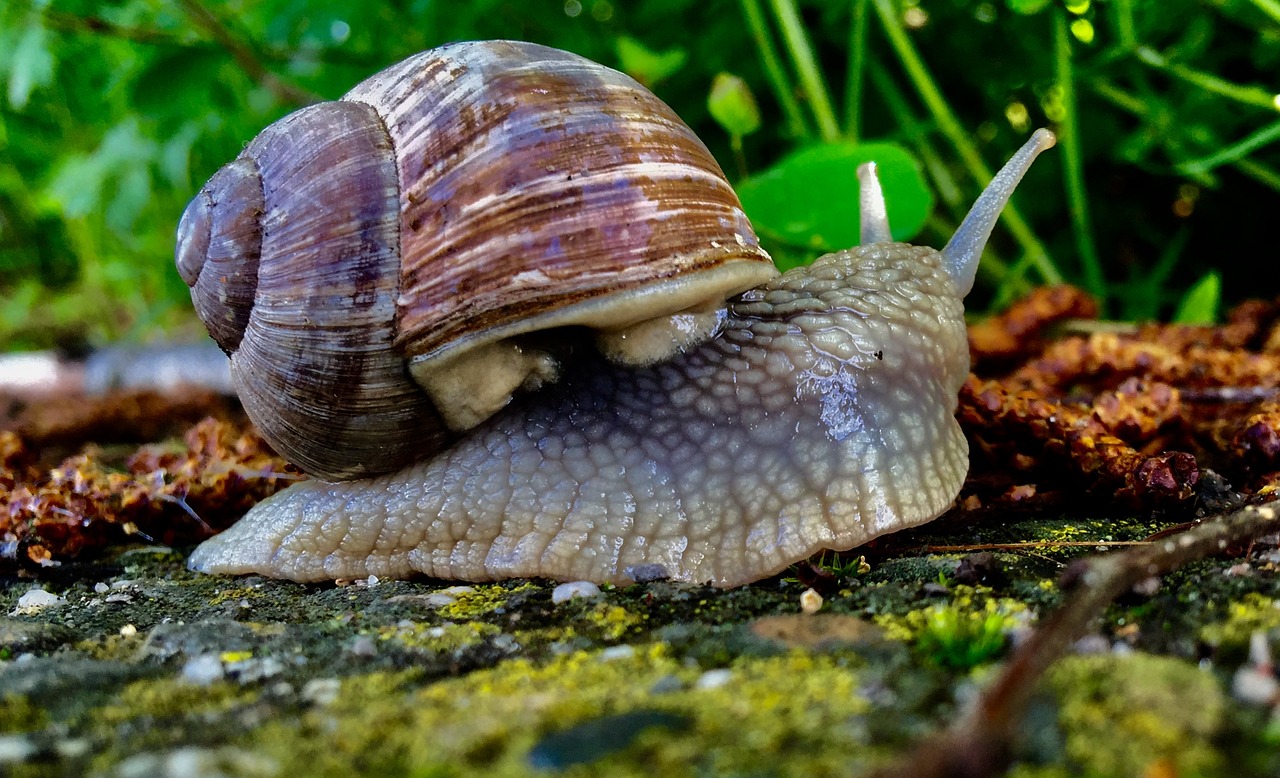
(1122, 714)
(1251, 613)
(170, 698)
(444, 638)
(477, 601)
(803, 710)
(110, 647)
(613, 621)
(19, 714)
(235, 593)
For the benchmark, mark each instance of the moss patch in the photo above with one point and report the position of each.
(799, 708)
(1129, 714)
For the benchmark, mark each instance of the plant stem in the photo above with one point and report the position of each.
(245, 56)
(951, 129)
(1270, 8)
(1247, 95)
(1136, 106)
(857, 60)
(793, 35)
(1234, 152)
(796, 125)
(1072, 166)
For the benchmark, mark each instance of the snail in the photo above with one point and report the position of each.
(543, 339)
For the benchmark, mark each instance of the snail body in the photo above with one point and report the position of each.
(721, 440)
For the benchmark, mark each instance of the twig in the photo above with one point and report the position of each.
(978, 744)
(68, 22)
(1044, 544)
(246, 57)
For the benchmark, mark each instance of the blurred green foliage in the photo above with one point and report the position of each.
(112, 114)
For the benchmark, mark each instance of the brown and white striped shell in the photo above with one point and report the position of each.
(371, 264)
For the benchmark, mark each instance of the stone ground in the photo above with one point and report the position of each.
(133, 666)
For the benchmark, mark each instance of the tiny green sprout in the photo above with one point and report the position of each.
(844, 567)
(959, 638)
(734, 108)
(833, 565)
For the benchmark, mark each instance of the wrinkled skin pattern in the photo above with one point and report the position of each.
(821, 417)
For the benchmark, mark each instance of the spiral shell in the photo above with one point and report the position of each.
(373, 265)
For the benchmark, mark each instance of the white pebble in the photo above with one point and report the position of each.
(15, 748)
(35, 600)
(1255, 687)
(713, 679)
(322, 691)
(810, 602)
(617, 652)
(202, 670)
(567, 591)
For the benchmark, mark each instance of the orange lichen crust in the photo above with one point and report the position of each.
(161, 494)
(1134, 416)
(1020, 331)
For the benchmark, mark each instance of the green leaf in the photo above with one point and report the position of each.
(1200, 304)
(31, 66)
(646, 65)
(1027, 7)
(810, 198)
(733, 106)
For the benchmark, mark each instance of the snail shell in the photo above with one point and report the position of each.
(375, 266)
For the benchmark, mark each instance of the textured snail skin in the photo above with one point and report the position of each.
(821, 417)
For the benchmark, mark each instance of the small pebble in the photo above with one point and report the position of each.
(1254, 686)
(15, 748)
(1260, 650)
(1147, 587)
(101, 588)
(254, 669)
(567, 591)
(322, 691)
(647, 573)
(128, 631)
(446, 596)
(713, 679)
(119, 597)
(506, 643)
(35, 600)
(364, 646)
(810, 602)
(202, 670)
(1092, 644)
(617, 652)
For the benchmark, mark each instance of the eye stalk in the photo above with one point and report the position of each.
(871, 208)
(963, 251)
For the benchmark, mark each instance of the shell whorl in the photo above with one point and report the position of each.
(314, 366)
(444, 208)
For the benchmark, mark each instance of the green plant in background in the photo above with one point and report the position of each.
(961, 634)
(112, 115)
